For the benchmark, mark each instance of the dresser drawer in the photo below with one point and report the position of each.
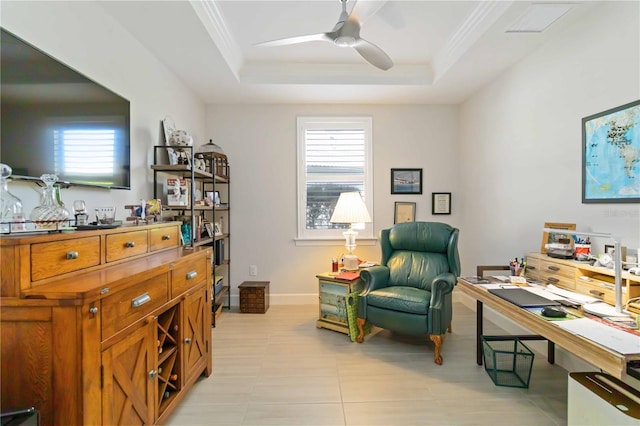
(127, 306)
(558, 280)
(127, 244)
(161, 238)
(533, 268)
(59, 257)
(187, 276)
(602, 290)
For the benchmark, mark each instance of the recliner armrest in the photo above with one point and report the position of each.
(442, 284)
(374, 278)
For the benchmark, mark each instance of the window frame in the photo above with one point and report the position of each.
(329, 122)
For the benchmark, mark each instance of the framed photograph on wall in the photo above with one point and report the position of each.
(404, 212)
(548, 238)
(610, 147)
(406, 181)
(440, 203)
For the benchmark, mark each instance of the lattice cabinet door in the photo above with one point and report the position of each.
(196, 327)
(130, 380)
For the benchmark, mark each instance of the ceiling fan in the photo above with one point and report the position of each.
(346, 33)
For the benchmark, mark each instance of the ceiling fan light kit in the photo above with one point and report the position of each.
(346, 33)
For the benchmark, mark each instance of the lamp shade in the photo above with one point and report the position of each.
(350, 209)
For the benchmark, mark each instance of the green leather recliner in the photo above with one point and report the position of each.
(410, 292)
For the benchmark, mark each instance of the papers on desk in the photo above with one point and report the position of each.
(570, 295)
(610, 337)
(544, 293)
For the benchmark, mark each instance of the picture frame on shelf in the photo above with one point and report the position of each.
(404, 212)
(440, 203)
(406, 181)
(548, 238)
(168, 126)
(208, 226)
(217, 229)
(610, 146)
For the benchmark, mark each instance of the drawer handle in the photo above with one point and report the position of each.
(166, 237)
(187, 340)
(140, 300)
(531, 268)
(191, 275)
(553, 280)
(130, 244)
(553, 268)
(596, 293)
(72, 255)
(93, 310)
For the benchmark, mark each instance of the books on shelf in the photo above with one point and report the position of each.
(177, 192)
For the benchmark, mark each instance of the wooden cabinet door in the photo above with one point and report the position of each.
(130, 381)
(195, 340)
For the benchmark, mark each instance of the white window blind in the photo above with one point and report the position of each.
(334, 156)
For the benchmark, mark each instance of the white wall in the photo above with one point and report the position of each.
(83, 36)
(260, 142)
(521, 143)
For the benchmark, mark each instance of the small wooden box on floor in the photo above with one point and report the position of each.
(254, 297)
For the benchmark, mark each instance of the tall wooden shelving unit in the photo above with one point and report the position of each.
(214, 178)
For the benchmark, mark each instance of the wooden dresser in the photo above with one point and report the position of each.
(582, 278)
(103, 326)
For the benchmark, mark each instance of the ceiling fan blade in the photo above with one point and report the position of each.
(296, 40)
(373, 54)
(365, 9)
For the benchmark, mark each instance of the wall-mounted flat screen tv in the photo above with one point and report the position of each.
(56, 120)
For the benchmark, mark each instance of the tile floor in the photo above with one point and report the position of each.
(279, 369)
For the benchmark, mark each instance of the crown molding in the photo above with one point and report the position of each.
(469, 33)
(216, 26)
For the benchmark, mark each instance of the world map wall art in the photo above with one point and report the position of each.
(611, 155)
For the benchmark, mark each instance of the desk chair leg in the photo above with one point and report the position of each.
(479, 332)
(551, 352)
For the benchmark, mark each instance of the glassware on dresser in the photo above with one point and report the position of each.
(49, 214)
(80, 212)
(11, 213)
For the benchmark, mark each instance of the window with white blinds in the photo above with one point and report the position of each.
(334, 156)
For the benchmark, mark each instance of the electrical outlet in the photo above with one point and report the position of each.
(253, 270)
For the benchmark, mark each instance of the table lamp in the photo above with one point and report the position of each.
(617, 258)
(350, 209)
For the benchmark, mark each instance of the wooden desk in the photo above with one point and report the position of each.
(608, 360)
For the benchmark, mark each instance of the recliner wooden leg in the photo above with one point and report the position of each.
(360, 323)
(437, 339)
(450, 329)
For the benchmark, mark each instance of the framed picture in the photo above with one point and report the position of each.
(548, 238)
(209, 227)
(404, 212)
(610, 146)
(217, 229)
(168, 127)
(440, 203)
(406, 181)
